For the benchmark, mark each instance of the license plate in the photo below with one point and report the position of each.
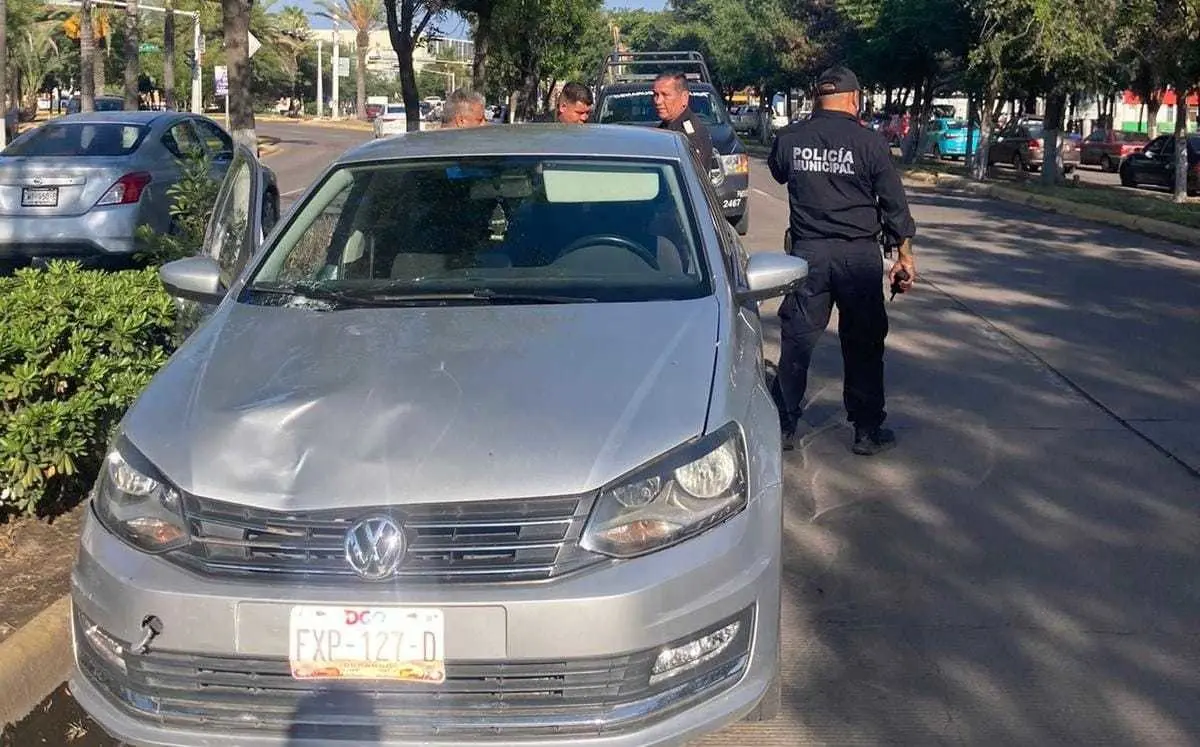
(39, 197)
(367, 643)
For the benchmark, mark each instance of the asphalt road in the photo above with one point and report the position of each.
(1022, 569)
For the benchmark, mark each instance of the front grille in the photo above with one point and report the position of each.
(485, 541)
(259, 695)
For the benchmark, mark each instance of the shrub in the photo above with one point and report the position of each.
(193, 198)
(76, 348)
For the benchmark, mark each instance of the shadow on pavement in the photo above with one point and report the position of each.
(1022, 569)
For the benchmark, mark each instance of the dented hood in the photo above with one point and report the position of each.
(287, 408)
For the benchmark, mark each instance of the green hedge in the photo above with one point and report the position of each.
(76, 348)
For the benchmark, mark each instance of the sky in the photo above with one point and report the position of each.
(455, 27)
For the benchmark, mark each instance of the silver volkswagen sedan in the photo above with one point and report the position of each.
(475, 448)
(79, 186)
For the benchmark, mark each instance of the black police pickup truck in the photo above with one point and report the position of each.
(624, 96)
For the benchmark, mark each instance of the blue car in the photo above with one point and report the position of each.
(946, 137)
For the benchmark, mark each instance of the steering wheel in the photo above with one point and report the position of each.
(612, 239)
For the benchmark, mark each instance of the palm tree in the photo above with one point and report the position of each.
(289, 32)
(4, 78)
(364, 16)
(133, 66)
(168, 80)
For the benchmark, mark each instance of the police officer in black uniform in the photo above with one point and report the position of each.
(671, 96)
(843, 192)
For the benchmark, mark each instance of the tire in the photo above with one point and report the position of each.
(1106, 164)
(771, 704)
(742, 224)
(1068, 168)
(1018, 163)
(1127, 178)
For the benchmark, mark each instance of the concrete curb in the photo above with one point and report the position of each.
(35, 660)
(1139, 224)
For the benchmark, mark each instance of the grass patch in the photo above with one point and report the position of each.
(1121, 200)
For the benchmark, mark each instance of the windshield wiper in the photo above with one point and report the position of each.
(382, 298)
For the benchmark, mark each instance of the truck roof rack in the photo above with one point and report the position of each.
(628, 67)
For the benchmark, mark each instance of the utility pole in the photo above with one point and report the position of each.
(320, 78)
(337, 71)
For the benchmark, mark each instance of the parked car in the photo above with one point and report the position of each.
(393, 120)
(102, 104)
(947, 138)
(79, 186)
(746, 118)
(476, 446)
(1155, 164)
(1107, 148)
(1019, 143)
(625, 97)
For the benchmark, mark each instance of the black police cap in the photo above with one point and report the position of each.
(837, 79)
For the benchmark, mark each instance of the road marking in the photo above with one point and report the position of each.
(768, 194)
(293, 192)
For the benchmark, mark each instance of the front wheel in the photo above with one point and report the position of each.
(1106, 163)
(1127, 178)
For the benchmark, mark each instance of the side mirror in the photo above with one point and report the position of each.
(194, 278)
(772, 274)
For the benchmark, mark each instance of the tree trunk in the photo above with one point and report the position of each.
(168, 81)
(1153, 104)
(362, 43)
(985, 106)
(483, 38)
(1181, 144)
(529, 91)
(235, 16)
(133, 67)
(87, 59)
(4, 78)
(98, 68)
(401, 33)
(548, 99)
(1056, 105)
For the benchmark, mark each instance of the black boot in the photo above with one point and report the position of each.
(871, 441)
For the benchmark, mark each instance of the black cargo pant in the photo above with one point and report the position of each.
(849, 274)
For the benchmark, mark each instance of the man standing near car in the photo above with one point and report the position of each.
(843, 191)
(671, 98)
(574, 104)
(464, 109)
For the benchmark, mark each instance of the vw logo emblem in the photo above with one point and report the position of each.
(375, 547)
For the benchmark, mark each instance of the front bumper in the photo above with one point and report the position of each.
(102, 237)
(557, 663)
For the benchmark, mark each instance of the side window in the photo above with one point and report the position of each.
(1097, 136)
(1156, 147)
(1168, 146)
(181, 140)
(215, 139)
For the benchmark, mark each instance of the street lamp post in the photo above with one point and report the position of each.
(320, 77)
(337, 70)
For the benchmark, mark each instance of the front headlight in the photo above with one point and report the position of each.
(692, 489)
(136, 505)
(736, 163)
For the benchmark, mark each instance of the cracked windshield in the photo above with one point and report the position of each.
(516, 373)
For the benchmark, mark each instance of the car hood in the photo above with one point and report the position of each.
(725, 140)
(287, 408)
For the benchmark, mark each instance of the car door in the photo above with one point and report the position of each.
(180, 140)
(1001, 151)
(235, 230)
(1092, 148)
(1147, 166)
(217, 143)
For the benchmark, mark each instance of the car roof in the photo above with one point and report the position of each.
(646, 85)
(524, 139)
(118, 117)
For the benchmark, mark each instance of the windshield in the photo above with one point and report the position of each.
(480, 229)
(637, 107)
(79, 139)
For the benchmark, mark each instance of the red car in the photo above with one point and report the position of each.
(1107, 148)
